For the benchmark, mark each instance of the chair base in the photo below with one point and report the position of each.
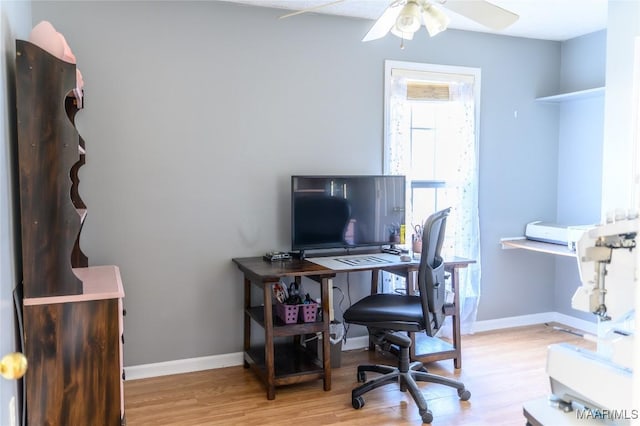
(407, 374)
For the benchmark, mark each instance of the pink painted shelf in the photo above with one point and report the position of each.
(98, 282)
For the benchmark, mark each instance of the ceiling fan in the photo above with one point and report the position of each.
(404, 18)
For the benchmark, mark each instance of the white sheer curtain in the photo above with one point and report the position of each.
(459, 161)
(398, 155)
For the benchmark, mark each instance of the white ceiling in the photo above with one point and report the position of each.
(542, 19)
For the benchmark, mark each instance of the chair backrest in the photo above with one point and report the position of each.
(431, 271)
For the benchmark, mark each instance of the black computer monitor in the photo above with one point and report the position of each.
(346, 211)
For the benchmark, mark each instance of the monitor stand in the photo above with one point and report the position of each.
(391, 250)
(298, 255)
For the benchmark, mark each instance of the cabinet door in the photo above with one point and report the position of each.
(74, 375)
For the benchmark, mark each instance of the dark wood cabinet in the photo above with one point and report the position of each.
(72, 312)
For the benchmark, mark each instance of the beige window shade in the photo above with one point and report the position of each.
(427, 91)
(430, 85)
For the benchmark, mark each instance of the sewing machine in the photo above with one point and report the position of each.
(597, 386)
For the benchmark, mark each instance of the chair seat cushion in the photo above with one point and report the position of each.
(389, 311)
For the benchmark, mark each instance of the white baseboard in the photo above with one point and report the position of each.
(586, 326)
(541, 318)
(180, 366)
(359, 342)
(509, 322)
(190, 365)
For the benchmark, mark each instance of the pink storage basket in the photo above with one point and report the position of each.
(288, 314)
(308, 312)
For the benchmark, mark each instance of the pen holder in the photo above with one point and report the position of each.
(416, 248)
(288, 314)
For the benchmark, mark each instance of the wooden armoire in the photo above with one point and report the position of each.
(72, 312)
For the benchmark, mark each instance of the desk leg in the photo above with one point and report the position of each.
(268, 342)
(375, 279)
(457, 361)
(326, 344)
(247, 318)
(297, 338)
(411, 286)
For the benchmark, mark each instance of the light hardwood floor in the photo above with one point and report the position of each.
(502, 369)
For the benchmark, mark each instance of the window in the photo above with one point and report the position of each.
(431, 116)
(426, 179)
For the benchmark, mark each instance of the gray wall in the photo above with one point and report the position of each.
(583, 63)
(580, 142)
(197, 113)
(15, 21)
(619, 186)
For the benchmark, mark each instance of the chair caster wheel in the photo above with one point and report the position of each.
(357, 402)
(362, 376)
(464, 394)
(427, 416)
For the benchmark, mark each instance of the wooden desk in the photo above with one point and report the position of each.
(283, 364)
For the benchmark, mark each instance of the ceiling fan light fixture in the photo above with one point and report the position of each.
(404, 17)
(405, 36)
(409, 19)
(435, 20)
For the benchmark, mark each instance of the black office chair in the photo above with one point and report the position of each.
(389, 316)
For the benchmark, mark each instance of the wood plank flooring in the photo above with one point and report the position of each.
(502, 369)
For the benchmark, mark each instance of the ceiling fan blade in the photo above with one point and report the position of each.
(483, 12)
(385, 22)
(310, 9)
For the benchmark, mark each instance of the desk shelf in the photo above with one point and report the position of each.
(430, 349)
(292, 364)
(256, 313)
(525, 244)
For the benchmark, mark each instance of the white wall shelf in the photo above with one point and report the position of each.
(572, 96)
(525, 244)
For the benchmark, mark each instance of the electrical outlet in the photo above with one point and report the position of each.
(13, 419)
